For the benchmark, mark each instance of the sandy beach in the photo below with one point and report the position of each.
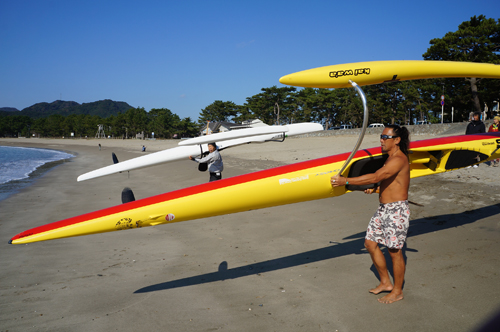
(299, 267)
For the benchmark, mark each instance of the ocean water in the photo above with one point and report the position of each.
(20, 166)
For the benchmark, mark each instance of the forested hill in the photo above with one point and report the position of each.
(102, 108)
(9, 109)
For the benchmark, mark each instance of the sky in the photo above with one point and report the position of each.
(184, 55)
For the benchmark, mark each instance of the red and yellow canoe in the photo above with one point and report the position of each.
(293, 183)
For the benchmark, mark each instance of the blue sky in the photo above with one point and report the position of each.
(184, 55)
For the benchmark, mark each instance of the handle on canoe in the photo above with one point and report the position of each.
(363, 129)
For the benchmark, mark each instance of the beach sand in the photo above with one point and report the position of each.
(299, 267)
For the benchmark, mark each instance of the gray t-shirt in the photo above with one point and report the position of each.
(214, 161)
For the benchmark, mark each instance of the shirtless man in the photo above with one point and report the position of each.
(389, 225)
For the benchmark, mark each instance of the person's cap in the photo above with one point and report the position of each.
(497, 118)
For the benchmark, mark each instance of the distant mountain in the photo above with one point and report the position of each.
(102, 108)
(6, 111)
(42, 110)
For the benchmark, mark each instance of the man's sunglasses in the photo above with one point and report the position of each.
(384, 137)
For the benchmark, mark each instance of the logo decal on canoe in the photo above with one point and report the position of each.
(169, 217)
(127, 223)
(299, 178)
(350, 72)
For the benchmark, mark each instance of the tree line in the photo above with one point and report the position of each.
(162, 122)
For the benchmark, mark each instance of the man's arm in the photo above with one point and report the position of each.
(206, 159)
(391, 167)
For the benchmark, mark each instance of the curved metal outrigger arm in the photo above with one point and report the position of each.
(363, 129)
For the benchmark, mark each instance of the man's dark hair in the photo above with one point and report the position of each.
(477, 113)
(402, 133)
(213, 144)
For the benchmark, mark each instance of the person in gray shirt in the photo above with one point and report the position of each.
(214, 160)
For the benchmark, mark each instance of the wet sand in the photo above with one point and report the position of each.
(299, 267)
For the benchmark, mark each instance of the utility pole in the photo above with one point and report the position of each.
(442, 107)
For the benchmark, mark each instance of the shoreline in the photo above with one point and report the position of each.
(297, 267)
(13, 186)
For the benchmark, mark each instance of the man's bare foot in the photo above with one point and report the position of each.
(391, 297)
(381, 288)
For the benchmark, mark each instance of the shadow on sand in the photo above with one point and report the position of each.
(355, 246)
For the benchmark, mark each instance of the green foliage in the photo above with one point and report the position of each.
(243, 114)
(43, 110)
(307, 104)
(15, 125)
(102, 108)
(135, 120)
(164, 123)
(259, 107)
(347, 107)
(39, 127)
(187, 128)
(477, 40)
(274, 105)
(218, 111)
